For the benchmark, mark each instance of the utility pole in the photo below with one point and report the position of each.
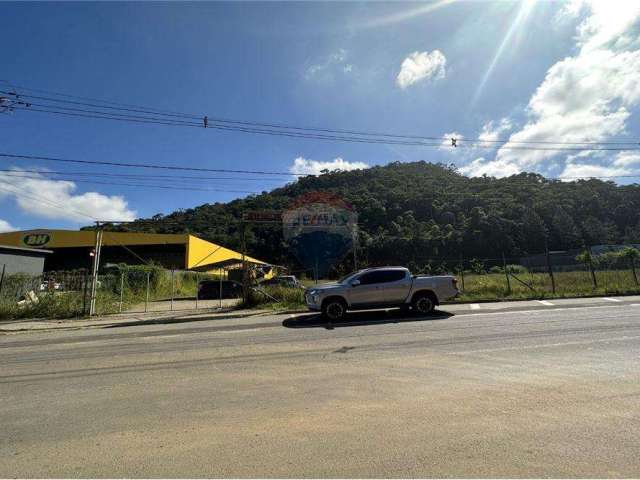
(4, 266)
(96, 267)
(506, 274)
(591, 269)
(243, 247)
(355, 248)
(549, 268)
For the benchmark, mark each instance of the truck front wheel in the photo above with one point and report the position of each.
(334, 309)
(423, 303)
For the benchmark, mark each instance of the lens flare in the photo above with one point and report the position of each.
(523, 13)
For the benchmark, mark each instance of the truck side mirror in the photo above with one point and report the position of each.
(355, 283)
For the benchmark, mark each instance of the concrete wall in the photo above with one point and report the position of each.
(21, 263)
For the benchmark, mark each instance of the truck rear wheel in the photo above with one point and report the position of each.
(423, 303)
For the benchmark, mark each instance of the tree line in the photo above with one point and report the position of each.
(413, 213)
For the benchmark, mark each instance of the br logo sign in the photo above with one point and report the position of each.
(36, 239)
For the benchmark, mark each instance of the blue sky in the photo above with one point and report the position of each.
(521, 70)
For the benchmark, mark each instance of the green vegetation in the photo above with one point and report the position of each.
(568, 284)
(276, 298)
(72, 302)
(429, 218)
(424, 216)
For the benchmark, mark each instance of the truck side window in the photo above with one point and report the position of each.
(373, 277)
(394, 275)
(382, 276)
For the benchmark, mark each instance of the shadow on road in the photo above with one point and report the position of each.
(353, 319)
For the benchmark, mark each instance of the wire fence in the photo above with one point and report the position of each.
(154, 289)
(68, 294)
(556, 274)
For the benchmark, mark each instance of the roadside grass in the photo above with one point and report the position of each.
(477, 287)
(493, 286)
(285, 298)
(74, 303)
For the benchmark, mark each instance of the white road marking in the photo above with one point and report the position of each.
(538, 311)
(546, 303)
(548, 345)
(611, 299)
(474, 306)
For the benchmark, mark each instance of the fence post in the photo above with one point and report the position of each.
(172, 287)
(550, 268)
(506, 274)
(633, 270)
(197, 288)
(146, 298)
(121, 291)
(4, 266)
(84, 294)
(220, 287)
(462, 271)
(593, 273)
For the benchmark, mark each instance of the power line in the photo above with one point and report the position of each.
(37, 198)
(351, 139)
(148, 110)
(213, 126)
(145, 165)
(137, 185)
(218, 170)
(141, 177)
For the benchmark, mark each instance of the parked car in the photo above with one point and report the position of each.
(210, 289)
(283, 281)
(384, 287)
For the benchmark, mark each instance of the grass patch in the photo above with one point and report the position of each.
(285, 298)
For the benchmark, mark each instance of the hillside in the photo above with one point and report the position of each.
(413, 213)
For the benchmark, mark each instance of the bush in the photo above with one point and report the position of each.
(477, 266)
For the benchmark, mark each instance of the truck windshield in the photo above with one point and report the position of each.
(348, 277)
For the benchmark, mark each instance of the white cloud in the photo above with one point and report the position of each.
(627, 159)
(421, 66)
(6, 226)
(624, 163)
(43, 197)
(314, 167)
(587, 97)
(584, 170)
(480, 166)
(327, 68)
(491, 131)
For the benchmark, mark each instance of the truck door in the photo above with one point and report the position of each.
(397, 285)
(370, 291)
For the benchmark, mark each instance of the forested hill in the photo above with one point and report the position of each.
(411, 213)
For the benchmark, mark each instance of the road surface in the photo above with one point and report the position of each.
(487, 390)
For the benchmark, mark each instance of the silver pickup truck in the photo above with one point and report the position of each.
(384, 287)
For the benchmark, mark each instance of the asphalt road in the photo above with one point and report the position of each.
(492, 390)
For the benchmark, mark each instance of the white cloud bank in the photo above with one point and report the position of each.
(583, 98)
(6, 226)
(43, 197)
(314, 167)
(420, 66)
